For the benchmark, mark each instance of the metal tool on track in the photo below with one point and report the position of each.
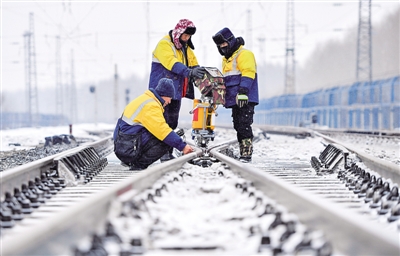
(212, 89)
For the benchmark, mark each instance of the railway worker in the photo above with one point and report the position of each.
(174, 58)
(142, 135)
(240, 75)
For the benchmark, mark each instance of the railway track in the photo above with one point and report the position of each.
(287, 205)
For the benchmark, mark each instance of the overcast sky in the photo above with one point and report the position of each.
(103, 34)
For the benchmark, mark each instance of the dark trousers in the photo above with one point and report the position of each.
(171, 113)
(242, 119)
(151, 152)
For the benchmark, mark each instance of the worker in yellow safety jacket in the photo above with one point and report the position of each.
(142, 135)
(239, 68)
(174, 58)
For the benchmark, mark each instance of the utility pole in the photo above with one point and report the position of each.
(127, 100)
(30, 74)
(249, 32)
(262, 64)
(59, 92)
(116, 108)
(148, 38)
(261, 40)
(92, 89)
(290, 60)
(364, 42)
(205, 54)
(73, 110)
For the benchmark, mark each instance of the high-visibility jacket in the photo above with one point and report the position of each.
(240, 70)
(170, 62)
(145, 114)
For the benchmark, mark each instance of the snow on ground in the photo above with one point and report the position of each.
(209, 213)
(198, 211)
(203, 209)
(31, 137)
(299, 148)
(274, 146)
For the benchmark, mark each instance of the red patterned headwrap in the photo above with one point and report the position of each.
(183, 26)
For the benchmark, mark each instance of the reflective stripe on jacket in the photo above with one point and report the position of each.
(146, 111)
(169, 62)
(240, 70)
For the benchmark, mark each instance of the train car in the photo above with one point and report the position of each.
(368, 106)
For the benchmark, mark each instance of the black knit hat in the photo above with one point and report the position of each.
(165, 88)
(224, 35)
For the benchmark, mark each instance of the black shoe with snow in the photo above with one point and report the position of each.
(245, 159)
(180, 132)
(166, 157)
(134, 168)
(124, 164)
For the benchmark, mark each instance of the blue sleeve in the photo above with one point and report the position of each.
(116, 129)
(180, 69)
(175, 141)
(246, 83)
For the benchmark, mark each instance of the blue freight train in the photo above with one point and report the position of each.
(361, 106)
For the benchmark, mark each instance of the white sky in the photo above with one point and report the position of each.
(103, 34)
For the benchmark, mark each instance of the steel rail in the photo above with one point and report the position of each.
(375, 133)
(276, 129)
(63, 231)
(352, 234)
(14, 177)
(285, 130)
(73, 224)
(228, 142)
(386, 169)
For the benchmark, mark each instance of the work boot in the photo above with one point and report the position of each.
(124, 164)
(167, 156)
(180, 132)
(246, 150)
(135, 168)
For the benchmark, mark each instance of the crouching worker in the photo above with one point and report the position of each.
(142, 135)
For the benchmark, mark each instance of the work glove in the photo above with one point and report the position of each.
(242, 98)
(197, 72)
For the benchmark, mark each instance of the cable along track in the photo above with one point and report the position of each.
(92, 224)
